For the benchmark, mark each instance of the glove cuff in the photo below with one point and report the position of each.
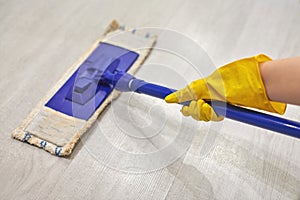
(276, 107)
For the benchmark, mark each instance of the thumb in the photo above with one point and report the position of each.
(183, 95)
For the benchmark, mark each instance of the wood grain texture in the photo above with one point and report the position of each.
(40, 39)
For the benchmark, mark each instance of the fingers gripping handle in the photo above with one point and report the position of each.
(244, 115)
(126, 82)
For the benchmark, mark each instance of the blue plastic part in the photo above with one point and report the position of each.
(151, 89)
(86, 90)
(270, 122)
(119, 80)
(89, 77)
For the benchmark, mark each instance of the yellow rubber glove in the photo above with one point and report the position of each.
(237, 83)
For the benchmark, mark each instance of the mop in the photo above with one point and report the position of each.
(74, 104)
(71, 107)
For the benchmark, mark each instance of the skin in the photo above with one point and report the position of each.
(282, 79)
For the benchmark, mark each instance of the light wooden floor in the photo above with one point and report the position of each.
(229, 160)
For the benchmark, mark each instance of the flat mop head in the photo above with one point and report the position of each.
(86, 89)
(75, 102)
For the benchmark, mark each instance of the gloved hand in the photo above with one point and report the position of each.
(237, 83)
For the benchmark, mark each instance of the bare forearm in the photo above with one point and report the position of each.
(282, 79)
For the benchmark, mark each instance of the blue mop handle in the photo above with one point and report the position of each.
(244, 115)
